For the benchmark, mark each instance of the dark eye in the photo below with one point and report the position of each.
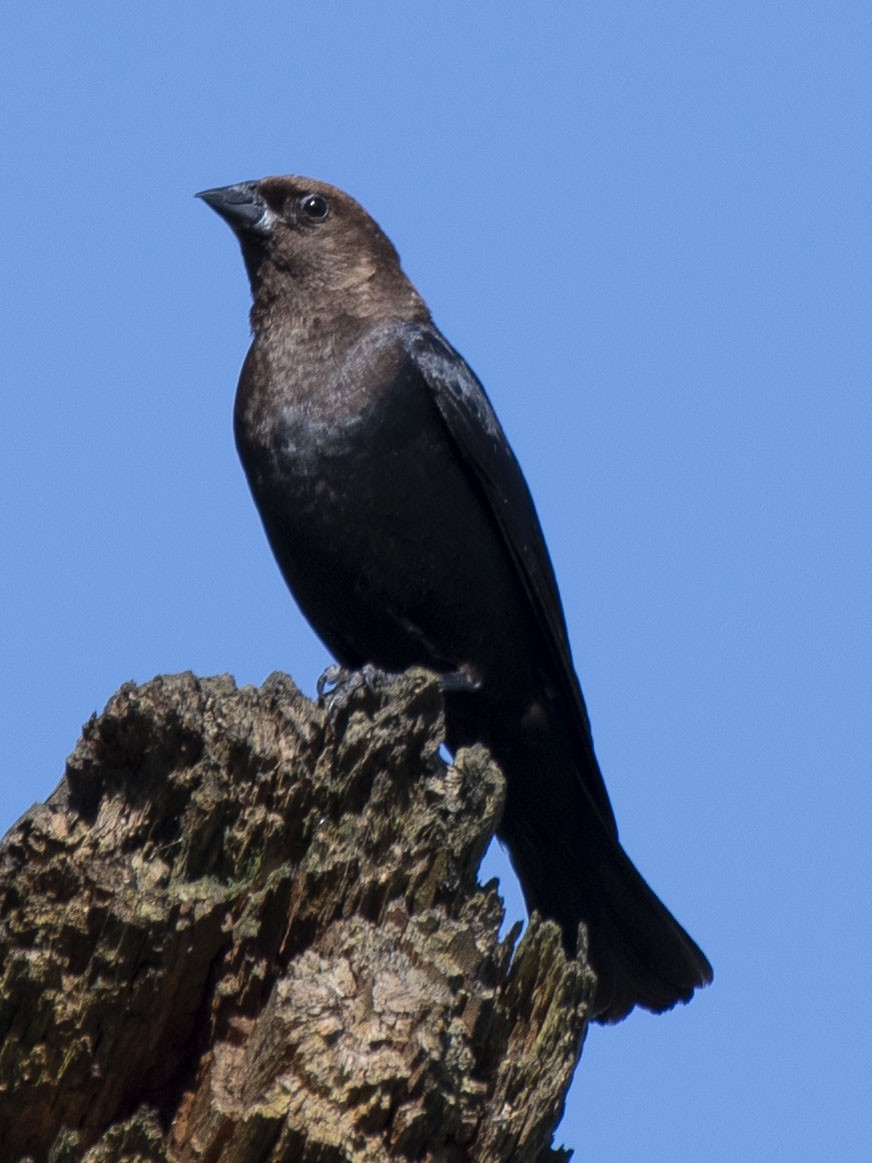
(315, 207)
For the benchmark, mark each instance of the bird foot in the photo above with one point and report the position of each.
(460, 681)
(338, 686)
(344, 684)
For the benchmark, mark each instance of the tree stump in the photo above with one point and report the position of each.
(242, 932)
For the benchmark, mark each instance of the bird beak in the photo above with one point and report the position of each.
(241, 207)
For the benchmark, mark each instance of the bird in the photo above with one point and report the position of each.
(402, 523)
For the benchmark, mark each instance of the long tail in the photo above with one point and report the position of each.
(572, 868)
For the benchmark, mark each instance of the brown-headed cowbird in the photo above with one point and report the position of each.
(404, 527)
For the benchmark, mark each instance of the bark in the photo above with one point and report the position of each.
(239, 932)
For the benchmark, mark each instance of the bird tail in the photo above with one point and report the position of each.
(640, 953)
(573, 869)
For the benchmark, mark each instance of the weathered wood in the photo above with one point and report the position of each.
(239, 933)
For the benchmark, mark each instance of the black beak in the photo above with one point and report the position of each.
(241, 207)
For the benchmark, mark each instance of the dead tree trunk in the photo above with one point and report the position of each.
(236, 933)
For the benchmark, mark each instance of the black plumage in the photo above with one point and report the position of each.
(404, 527)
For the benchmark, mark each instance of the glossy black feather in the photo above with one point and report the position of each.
(482, 447)
(404, 527)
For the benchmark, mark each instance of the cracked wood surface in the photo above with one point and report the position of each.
(239, 934)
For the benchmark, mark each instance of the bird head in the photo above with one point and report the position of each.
(310, 242)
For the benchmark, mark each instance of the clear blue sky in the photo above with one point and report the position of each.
(648, 229)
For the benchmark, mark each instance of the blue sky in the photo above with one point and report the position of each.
(647, 227)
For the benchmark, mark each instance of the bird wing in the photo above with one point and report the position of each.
(485, 453)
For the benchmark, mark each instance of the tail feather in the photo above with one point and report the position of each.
(563, 843)
(573, 869)
(640, 953)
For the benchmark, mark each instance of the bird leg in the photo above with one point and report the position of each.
(460, 681)
(344, 684)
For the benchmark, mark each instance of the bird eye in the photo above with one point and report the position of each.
(315, 207)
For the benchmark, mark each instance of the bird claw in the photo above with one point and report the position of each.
(347, 681)
(334, 676)
(459, 681)
(345, 685)
(338, 686)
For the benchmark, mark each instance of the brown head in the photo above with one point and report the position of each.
(310, 248)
